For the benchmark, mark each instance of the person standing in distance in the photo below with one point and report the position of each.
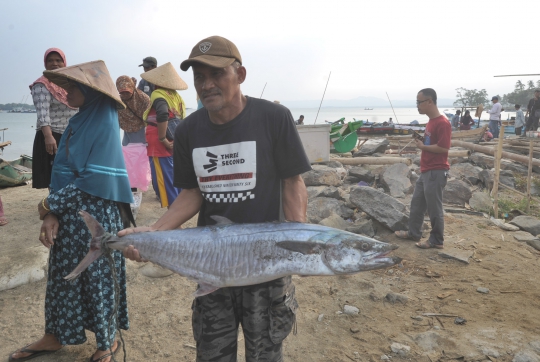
(148, 63)
(520, 120)
(241, 158)
(495, 116)
(434, 168)
(533, 111)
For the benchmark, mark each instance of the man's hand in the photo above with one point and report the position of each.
(419, 143)
(130, 252)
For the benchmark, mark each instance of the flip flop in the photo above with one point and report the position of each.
(404, 234)
(428, 245)
(34, 354)
(110, 354)
(3, 221)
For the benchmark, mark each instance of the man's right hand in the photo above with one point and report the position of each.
(130, 252)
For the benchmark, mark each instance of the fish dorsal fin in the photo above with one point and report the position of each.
(303, 247)
(221, 220)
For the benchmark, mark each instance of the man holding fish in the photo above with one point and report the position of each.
(240, 158)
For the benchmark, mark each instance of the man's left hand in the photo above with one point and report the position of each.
(419, 144)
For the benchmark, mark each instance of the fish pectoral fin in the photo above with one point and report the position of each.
(220, 220)
(204, 289)
(302, 247)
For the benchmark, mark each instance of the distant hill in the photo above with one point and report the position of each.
(361, 102)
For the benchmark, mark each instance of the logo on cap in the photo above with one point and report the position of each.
(204, 47)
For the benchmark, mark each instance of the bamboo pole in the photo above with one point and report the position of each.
(529, 176)
(372, 160)
(495, 190)
(491, 151)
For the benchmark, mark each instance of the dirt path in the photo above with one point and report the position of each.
(503, 322)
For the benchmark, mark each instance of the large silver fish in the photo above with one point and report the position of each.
(229, 254)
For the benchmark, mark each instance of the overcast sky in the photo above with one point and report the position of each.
(370, 46)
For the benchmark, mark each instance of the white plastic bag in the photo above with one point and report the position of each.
(137, 165)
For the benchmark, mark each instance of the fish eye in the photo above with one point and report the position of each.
(365, 246)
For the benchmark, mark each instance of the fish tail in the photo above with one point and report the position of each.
(95, 252)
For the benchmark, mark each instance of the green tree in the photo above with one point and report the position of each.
(471, 97)
(520, 95)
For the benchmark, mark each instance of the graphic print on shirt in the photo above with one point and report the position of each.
(226, 173)
(427, 137)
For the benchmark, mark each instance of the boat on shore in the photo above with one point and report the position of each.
(16, 172)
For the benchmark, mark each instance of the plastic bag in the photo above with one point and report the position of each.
(137, 165)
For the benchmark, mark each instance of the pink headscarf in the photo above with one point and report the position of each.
(57, 92)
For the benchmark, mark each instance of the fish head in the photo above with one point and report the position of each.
(356, 254)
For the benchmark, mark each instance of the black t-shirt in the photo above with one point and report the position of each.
(238, 166)
(534, 105)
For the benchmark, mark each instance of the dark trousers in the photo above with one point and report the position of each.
(518, 130)
(494, 128)
(532, 123)
(427, 196)
(267, 313)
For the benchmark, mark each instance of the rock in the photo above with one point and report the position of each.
(507, 178)
(534, 243)
(351, 180)
(481, 201)
(396, 179)
(400, 349)
(321, 175)
(385, 358)
(457, 192)
(482, 290)
(362, 174)
(456, 254)
(395, 297)
(535, 345)
(487, 176)
(525, 356)
(32, 268)
(383, 208)
(152, 270)
(414, 177)
(486, 161)
(430, 341)
(320, 208)
(490, 352)
(323, 191)
(466, 171)
(350, 310)
(501, 224)
(336, 222)
(363, 227)
(320, 317)
(527, 223)
(371, 146)
(418, 318)
(523, 236)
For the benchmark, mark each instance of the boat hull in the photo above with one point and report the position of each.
(17, 172)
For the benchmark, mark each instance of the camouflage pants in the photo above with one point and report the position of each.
(266, 311)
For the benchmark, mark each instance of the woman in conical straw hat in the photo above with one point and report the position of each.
(53, 113)
(88, 174)
(165, 104)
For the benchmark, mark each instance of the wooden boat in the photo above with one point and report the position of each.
(17, 172)
(375, 128)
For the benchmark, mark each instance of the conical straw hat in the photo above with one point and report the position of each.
(166, 77)
(92, 74)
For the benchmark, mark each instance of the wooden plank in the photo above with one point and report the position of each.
(495, 190)
(529, 176)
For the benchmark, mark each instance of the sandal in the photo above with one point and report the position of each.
(404, 234)
(110, 354)
(34, 354)
(428, 245)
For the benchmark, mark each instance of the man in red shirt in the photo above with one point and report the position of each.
(434, 171)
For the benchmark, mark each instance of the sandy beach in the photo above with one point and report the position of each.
(502, 322)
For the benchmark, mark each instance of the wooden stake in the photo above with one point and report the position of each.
(529, 176)
(495, 190)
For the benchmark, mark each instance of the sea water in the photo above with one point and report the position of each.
(21, 126)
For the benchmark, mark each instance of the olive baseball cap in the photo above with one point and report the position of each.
(215, 51)
(149, 62)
